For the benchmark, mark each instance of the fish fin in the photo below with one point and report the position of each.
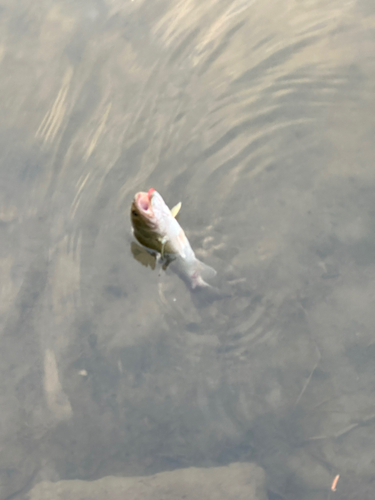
(176, 209)
(163, 242)
(162, 249)
(200, 273)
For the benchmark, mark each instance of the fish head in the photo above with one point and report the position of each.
(149, 215)
(148, 208)
(142, 213)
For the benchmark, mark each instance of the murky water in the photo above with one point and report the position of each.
(259, 117)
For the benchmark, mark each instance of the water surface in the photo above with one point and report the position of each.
(259, 117)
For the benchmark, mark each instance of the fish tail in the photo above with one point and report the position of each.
(201, 272)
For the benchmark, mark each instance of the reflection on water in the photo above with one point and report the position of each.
(259, 117)
(142, 255)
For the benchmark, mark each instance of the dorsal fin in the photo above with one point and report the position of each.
(176, 209)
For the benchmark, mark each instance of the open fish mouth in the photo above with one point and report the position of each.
(143, 203)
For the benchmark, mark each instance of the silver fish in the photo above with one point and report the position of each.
(156, 228)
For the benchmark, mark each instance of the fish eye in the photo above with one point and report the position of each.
(134, 213)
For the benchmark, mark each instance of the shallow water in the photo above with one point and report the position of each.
(259, 117)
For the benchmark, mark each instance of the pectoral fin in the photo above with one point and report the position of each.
(176, 209)
(163, 242)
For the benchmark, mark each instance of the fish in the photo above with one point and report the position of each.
(156, 228)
